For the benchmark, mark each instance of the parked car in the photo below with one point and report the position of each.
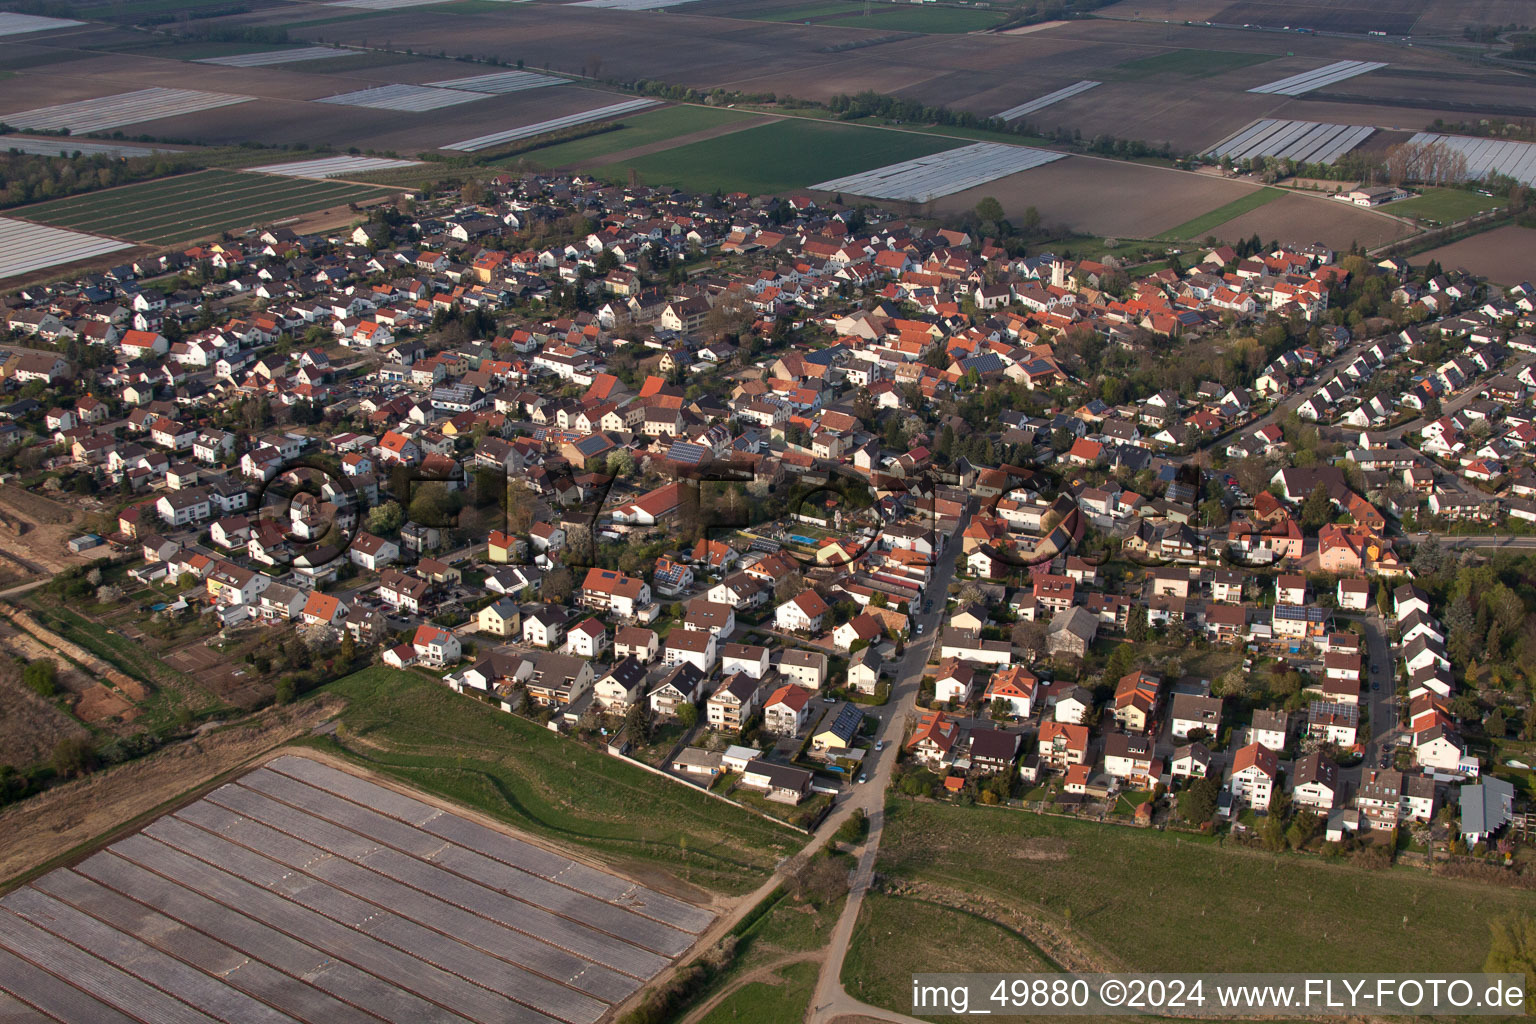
(863, 777)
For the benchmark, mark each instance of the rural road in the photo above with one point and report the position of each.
(831, 999)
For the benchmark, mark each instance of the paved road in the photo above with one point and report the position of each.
(1501, 541)
(831, 1000)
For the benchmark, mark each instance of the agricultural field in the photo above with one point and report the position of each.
(1201, 226)
(788, 154)
(1296, 219)
(651, 128)
(1187, 64)
(409, 728)
(1504, 255)
(1107, 198)
(25, 248)
(265, 865)
(1395, 17)
(1444, 205)
(196, 205)
(890, 18)
(1315, 913)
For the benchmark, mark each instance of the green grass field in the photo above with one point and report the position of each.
(195, 205)
(1188, 63)
(787, 154)
(1444, 205)
(1232, 908)
(935, 20)
(641, 130)
(781, 1001)
(129, 10)
(882, 956)
(1205, 223)
(402, 725)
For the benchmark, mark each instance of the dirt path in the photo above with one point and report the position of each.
(765, 974)
(48, 826)
(679, 140)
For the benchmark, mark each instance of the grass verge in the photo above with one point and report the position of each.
(402, 725)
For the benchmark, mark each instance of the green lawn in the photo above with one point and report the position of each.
(899, 936)
(641, 130)
(1204, 224)
(783, 1001)
(1188, 63)
(194, 205)
(936, 20)
(1444, 204)
(1233, 908)
(402, 725)
(777, 157)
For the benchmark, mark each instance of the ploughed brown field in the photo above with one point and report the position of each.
(1504, 255)
(1104, 197)
(1298, 219)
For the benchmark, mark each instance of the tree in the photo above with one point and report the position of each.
(1001, 709)
(386, 518)
(41, 677)
(989, 209)
(1513, 949)
(1317, 510)
(1028, 636)
(285, 691)
(621, 464)
(687, 715)
(1136, 624)
(853, 828)
(559, 585)
(1198, 802)
(787, 586)
(73, 755)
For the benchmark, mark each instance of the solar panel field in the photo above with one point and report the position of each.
(195, 205)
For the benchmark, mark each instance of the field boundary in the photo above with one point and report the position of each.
(1206, 222)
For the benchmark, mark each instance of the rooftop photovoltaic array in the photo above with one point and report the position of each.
(501, 82)
(1303, 141)
(334, 166)
(1516, 159)
(529, 131)
(27, 247)
(1319, 77)
(941, 174)
(69, 147)
(125, 108)
(1014, 113)
(300, 892)
(264, 58)
(409, 98)
(21, 24)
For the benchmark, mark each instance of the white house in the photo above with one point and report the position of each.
(1254, 769)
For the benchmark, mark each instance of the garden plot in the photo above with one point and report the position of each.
(1331, 74)
(1516, 159)
(27, 247)
(54, 146)
(941, 174)
(528, 131)
(126, 108)
(501, 82)
(20, 24)
(411, 98)
(300, 891)
(1302, 141)
(264, 58)
(1014, 113)
(335, 166)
